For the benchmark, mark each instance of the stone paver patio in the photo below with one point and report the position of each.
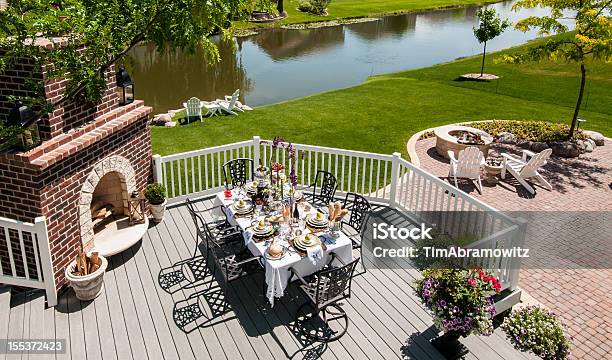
(578, 288)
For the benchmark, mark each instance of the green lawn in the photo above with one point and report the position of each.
(381, 114)
(340, 9)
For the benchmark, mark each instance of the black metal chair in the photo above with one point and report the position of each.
(192, 272)
(360, 209)
(324, 290)
(327, 188)
(235, 172)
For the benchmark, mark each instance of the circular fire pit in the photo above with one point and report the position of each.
(457, 138)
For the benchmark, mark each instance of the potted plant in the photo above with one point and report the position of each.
(156, 195)
(86, 275)
(537, 330)
(461, 303)
(493, 167)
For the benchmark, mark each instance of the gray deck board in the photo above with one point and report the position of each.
(133, 318)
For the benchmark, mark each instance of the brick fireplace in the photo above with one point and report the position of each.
(92, 157)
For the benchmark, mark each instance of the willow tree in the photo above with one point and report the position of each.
(97, 33)
(489, 27)
(592, 38)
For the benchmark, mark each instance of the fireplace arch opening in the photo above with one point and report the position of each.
(105, 225)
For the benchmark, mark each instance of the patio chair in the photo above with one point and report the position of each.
(360, 209)
(235, 172)
(323, 291)
(466, 165)
(193, 108)
(229, 104)
(191, 272)
(522, 169)
(327, 189)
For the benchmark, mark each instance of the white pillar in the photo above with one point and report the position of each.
(394, 177)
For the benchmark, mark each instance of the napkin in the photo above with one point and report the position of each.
(315, 253)
(248, 237)
(327, 239)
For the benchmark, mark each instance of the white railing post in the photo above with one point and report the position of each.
(44, 248)
(256, 155)
(519, 241)
(394, 177)
(157, 169)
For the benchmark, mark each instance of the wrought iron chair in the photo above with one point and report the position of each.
(192, 272)
(324, 290)
(235, 172)
(327, 189)
(360, 209)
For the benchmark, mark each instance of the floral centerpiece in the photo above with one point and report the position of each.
(537, 330)
(462, 304)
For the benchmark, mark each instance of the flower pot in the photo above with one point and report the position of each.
(158, 211)
(449, 346)
(87, 287)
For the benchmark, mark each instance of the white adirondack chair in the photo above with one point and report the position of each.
(229, 104)
(522, 169)
(466, 165)
(193, 108)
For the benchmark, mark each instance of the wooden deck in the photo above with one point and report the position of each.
(133, 319)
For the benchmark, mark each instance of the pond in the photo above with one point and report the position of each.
(281, 64)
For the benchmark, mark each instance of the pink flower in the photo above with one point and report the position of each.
(472, 282)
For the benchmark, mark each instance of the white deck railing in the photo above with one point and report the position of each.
(26, 246)
(385, 179)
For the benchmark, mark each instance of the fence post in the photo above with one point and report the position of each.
(519, 242)
(157, 169)
(394, 176)
(46, 265)
(256, 150)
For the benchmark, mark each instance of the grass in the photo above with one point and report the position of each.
(381, 114)
(341, 9)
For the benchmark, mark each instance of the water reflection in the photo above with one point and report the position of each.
(279, 64)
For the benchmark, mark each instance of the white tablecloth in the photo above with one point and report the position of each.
(277, 271)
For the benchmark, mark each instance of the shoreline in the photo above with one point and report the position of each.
(245, 28)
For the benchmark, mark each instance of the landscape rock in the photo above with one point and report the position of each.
(161, 119)
(589, 145)
(538, 146)
(595, 136)
(565, 149)
(525, 144)
(170, 124)
(506, 138)
(174, 112)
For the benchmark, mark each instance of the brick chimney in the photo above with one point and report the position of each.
(84, 145)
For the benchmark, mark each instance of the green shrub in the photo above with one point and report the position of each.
(304, 6)
(314, 7)
(155, 193)
(540, 131)
(538, 330)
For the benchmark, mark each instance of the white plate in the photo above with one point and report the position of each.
(270, 257)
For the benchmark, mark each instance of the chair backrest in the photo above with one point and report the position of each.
(194, 107)
(236, 172)
(536, 161)
(360, 211)
(334, 284)
(470, 160)
(328, 186)
(202, 230)
(233, 100)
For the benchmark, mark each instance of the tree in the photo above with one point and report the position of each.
(592, 38)
(489, 27)
(97, 33)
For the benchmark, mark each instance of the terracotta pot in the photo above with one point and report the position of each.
(87, 287)
(158, 211)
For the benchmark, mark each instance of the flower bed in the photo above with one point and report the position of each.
(539, 131)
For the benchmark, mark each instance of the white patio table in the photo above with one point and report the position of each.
(277, 271)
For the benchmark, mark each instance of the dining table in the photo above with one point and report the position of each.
(277, 270)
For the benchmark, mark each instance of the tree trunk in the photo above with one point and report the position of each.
(484, 53)
(578, 102)
(280, 7)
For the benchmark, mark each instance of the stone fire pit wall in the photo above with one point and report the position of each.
(445, 141)
(48, 180)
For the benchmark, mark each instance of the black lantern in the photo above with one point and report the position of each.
(136, 208)
(19, 116)
(125, 87)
